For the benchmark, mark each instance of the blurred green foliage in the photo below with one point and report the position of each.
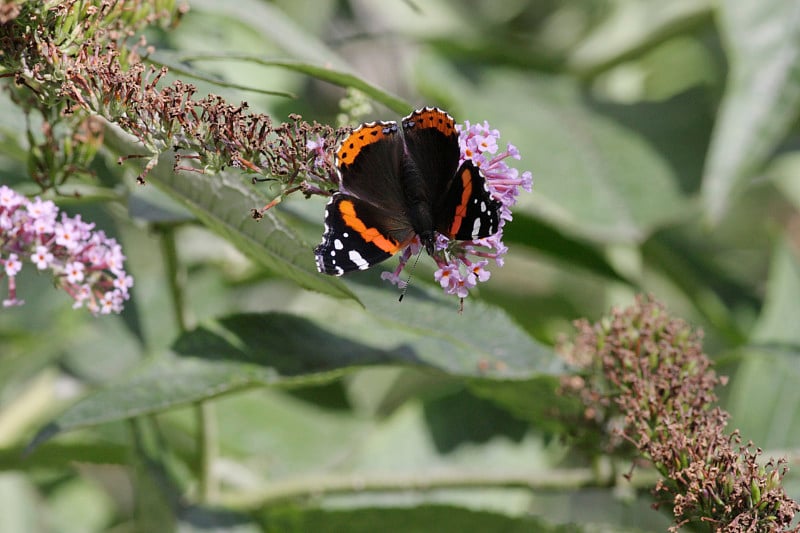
(664, 146)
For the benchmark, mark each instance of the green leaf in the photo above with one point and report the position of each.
(684, 258)
(56, 455)
(20, 505)
(536, 400)
(279, 349)
(783, 172)
(764, 396)
(678, 128)
(327, 73)
(223, 203)
(537, 234)
(781, 314)
(447, 519)
(761, 97)
(429, 323)
(79, 504)
(152, 205)
(202, 519)
(176, 66)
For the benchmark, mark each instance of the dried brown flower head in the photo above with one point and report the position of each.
(74, 60)
(648, 387)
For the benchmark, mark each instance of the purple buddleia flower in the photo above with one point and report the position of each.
(85, 263)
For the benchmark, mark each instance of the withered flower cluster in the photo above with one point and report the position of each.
(647, 385)
(75, 61)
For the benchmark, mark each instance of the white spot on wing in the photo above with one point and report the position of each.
(359, 261)
(476, 228)
(338, 244)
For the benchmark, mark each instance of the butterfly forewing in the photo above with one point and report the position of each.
(432, 142)
(369, 161)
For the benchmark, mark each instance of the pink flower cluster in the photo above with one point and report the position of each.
(462, 264)
(86, 264)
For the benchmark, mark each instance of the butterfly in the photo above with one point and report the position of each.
(397, 186)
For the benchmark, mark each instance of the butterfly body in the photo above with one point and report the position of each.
(395, 187)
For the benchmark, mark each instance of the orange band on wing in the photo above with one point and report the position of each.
(362, 136)
(434, 118)
(461, 210)
(348, 211)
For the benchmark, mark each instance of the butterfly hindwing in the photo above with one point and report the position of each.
(467, 210)
(358, 235)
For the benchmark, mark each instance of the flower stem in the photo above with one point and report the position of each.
(317, 486)
(207, 451)
(175, 275)
(204, 411)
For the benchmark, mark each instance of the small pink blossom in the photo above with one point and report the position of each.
(12, 265)
(83, 293)
(12, 302)
(42, 257)
(66, 235)
(9, 199)
(110, 302)
(6, 224)
(42, 209)
(477, 269)
(88, 265)
(317, 147)
(74, 272)
(446, 275)
(123, 283)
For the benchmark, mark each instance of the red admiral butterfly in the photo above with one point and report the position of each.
(395, 187)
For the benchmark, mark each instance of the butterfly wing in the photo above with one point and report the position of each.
(369, 161)
(432, 141)
(366, 222)
(467, 211)
(462, 206)
(357, 235)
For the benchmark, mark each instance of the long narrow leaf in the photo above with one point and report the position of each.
(327, 73)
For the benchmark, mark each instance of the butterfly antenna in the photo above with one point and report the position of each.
(410, 273)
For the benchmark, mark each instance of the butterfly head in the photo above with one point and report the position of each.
(428, 240)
